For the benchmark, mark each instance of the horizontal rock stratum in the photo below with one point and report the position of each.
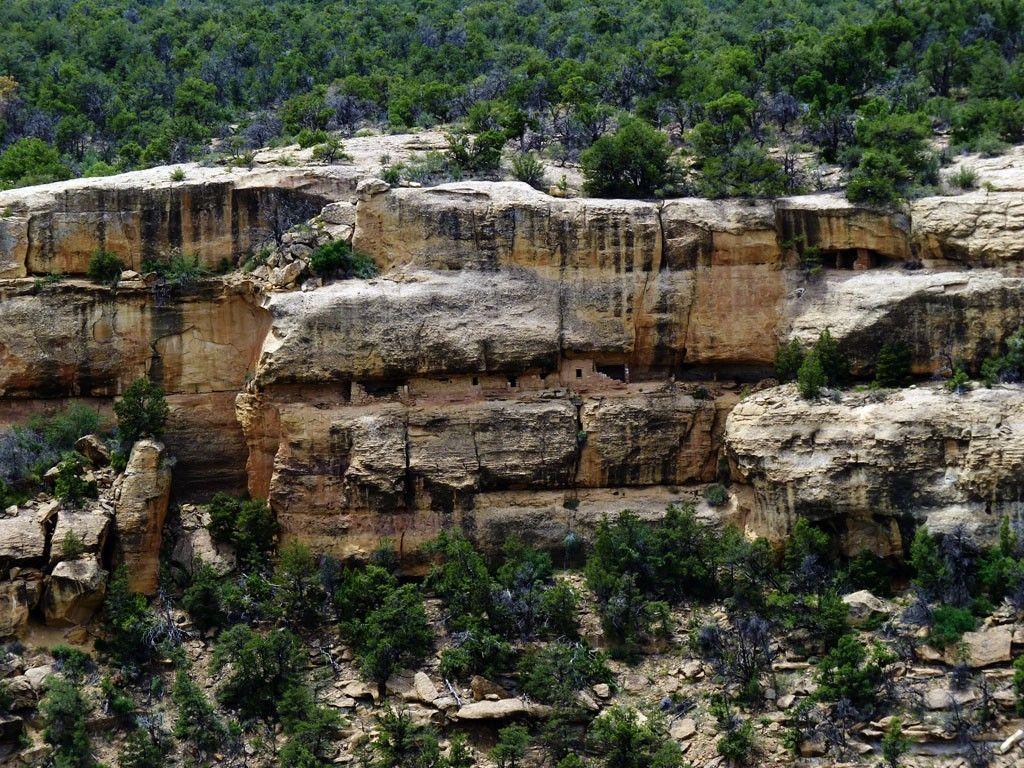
(524, 362)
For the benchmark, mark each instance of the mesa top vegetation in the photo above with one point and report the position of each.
(97, 86)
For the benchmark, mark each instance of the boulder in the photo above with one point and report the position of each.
(501, 709)
(986, 646)
(942, 697)
(74, 591)
(140, 512)
(425, 689)
(90, 526)
(681, 730)
(14, 607)
(483, 688)
(94, 449)
(865, 608)
(22, 540)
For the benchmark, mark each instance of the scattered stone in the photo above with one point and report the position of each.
(985, 647)
(482, 688)
(425, 689)
(785, 701)
(37, 676)
(491, 710)
(865, 607)
(693, 669)
(587, 701)
(942, 697)
(602, 690)
(94, 449)
(74, 591)
(681, 730)
(1016, 738)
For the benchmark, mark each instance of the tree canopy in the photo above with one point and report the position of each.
(118, 84)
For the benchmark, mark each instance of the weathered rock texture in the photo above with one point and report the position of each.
(871, 464)
(522, 360)
(140, 513)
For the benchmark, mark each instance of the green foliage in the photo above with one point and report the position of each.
(892, 366)
(203, 598)
(737, 743)
(553, 673)
(196, 720)
(930, 571)
(733, 79)
(72, 546)
(262, 669)
(623, 740)
(894, 743)
(337, 259)
(810, 378)
(70, 484)
(105, 267)
(31, 161)
(631, 162)
(398, 741)
(948, 625)
(129, 626)
(144, 749)
(299, 598)
(73, 663)
(331, 151)
(788, 359)
(964, 178)
(853, 672)
(528, 168)
(475, 650)
(480, 154)
(64, 711)
(959, 382)
(866, 570)
(247, 525)
(141, 412)
(1008, 367)
(395, 635)
(176, 269)
(511, 747)
(459, 576)
(716, 495)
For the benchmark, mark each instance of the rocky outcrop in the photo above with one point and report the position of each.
(401, 469)
(74, 590)
(943, 319)
(871, 464)
(140, 513)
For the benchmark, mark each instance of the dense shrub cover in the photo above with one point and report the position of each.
(93, 87)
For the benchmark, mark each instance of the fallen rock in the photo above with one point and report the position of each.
(1013, 740)
(864, 607)
(140, 513)
(426, 691)
(14, 607)
(602, 690)
(942, 697)
(37, 676)
(22, 540)
(90, 527)
(482, 688)
(501, 709)
(74, 591)
(683, 729)
(94, 449)
(985, 647)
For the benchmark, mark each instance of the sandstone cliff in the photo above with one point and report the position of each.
(519, 357)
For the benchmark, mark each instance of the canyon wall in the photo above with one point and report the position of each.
(522, 362)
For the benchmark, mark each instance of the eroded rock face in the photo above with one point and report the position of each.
(402, 470)
(943, 319)
(80, 340)
(869, 463)
(140, 513)
(213, 213)
(74, 590)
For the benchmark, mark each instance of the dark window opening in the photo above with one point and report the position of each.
(382, 388)
(513, 381)
(476, 380)
(579, 373)
(617, 372)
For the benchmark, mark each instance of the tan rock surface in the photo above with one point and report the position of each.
(940, 317)
(140, 513)
(74, 591)
(868, 456)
